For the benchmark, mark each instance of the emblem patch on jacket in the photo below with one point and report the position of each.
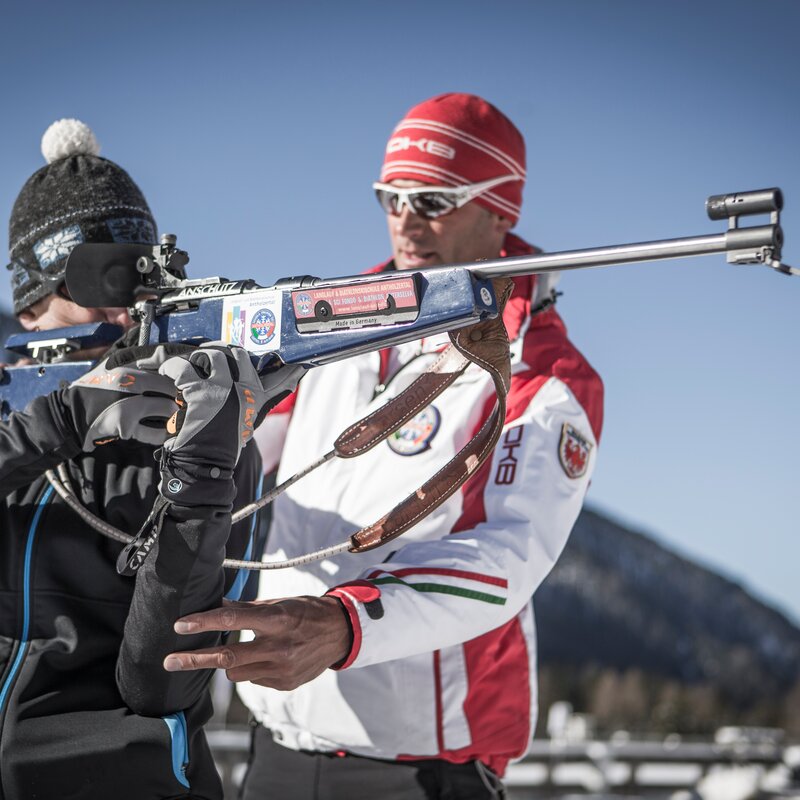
(416, 435)
(573, 451)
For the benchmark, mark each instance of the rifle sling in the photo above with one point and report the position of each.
(484, 344)
(377, 426)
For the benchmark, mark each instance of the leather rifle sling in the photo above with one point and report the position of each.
(377, 426)
(371, 430)
(485, 344)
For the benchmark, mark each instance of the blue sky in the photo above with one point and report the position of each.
(256, 129)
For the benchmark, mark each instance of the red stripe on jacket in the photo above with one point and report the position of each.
(497, 664)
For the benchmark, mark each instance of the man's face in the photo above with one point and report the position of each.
(467, 234)
(56, 311)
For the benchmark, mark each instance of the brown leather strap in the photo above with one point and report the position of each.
(374, 428)
(485, 344)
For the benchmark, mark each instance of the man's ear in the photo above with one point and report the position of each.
(503, 224)
(29, 317)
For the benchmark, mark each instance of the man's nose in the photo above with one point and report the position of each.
(407, 222)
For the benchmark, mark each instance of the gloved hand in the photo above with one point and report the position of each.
(222, 401)
(123, 397)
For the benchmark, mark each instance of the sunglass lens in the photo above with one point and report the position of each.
(432, 204)
(387, 199)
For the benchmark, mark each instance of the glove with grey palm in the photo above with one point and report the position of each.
(123, 397)
(222, 400)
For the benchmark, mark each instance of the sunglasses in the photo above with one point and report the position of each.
(431, 202)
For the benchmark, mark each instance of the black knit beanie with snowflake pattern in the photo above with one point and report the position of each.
(78, 197)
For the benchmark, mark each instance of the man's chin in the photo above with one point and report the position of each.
(416, 262)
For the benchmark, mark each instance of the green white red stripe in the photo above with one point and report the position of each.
(462, 586)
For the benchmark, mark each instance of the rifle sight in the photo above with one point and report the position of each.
(760, 201)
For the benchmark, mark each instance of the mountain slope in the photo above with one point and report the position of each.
(619, 599)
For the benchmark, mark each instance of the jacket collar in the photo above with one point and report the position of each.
(517, 314)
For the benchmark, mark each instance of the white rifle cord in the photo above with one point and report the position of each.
(62, 486)
(63, 475)
(247, 510)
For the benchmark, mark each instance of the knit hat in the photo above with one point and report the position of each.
(457, 139)
(78, 197)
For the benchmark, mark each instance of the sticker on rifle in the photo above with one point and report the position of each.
(363, 303)
(573, 451)
(262, 326)
(417, 434)
(253, 321)
(303, 305)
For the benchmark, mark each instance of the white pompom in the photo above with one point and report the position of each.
(68, 137)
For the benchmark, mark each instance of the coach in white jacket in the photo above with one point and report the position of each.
(426, 686)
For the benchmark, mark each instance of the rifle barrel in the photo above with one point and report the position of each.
(606, 256)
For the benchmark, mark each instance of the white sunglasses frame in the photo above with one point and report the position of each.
(461, 194)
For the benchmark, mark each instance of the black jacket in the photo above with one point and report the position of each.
(86, 709)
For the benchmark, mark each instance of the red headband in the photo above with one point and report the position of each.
(456, 139)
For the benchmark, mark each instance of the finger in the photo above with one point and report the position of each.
(163, 353)
(147, 356)
(219, 362)
(264, 673)
(247, 371)
(181, 370)
(136, 381)
(228, 657)
(231, 617)
(152, 405)
(129, 355)
(208, 658)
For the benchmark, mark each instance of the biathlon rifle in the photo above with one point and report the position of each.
(306, 322)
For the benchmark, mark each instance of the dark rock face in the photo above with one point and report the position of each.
(617, 599)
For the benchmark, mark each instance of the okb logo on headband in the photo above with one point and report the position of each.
(398, 143)
(459, 140)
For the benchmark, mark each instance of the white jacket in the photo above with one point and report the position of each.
(444, 653)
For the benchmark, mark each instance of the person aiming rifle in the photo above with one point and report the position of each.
(86, 710)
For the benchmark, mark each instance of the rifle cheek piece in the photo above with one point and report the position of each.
(115, 274)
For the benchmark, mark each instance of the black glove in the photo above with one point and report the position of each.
(222, 401)
(123, 397)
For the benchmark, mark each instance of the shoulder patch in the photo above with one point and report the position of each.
(573, 451)
(416, 435)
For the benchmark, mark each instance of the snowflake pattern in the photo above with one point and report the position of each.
(19, 275)
(53, 248)
(131, 230)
